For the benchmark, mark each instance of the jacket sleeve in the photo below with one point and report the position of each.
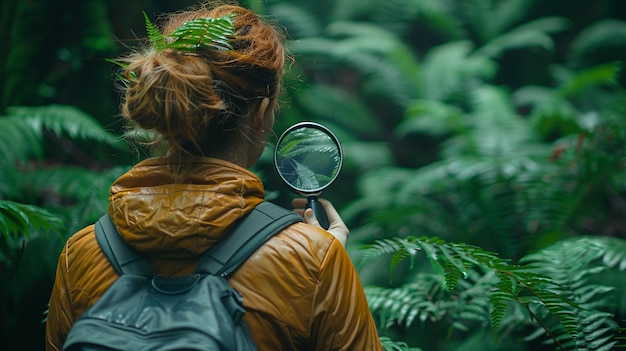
(341, 316)
(60, 317)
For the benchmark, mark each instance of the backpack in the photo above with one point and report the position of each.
(143, 311)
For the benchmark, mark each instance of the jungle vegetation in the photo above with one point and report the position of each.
(484, 179)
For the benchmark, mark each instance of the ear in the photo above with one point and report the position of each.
(264, 118)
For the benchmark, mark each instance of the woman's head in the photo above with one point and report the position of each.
(211, 102)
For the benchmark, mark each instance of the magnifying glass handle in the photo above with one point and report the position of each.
(318, 210)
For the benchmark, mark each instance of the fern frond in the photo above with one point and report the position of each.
(22, 137)
(607, 34)
(399, 248)
(200, 33)
(500, 298)
(194, 34)
(430, 117)
(450, 70)
(298, 22)
(84, 192)
(546, 294)
(552, 110)
(391, 345)
(615, 255)
(377, 249)
(378, 54)
(18, 140)
(420, 301)
(154, 34)
(601, 75)
(489, 19)
(529, 35)
(492, 110)
(63, 119)
(18, 219)
(340, 109)
(427, 299)
(571, 264)
(399, 15)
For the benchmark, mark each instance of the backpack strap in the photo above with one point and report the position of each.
(123, 258)
(246, 236)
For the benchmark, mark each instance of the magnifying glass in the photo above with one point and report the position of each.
(308, 158)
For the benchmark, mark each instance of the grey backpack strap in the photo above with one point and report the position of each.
(247, 235)
(123, 258)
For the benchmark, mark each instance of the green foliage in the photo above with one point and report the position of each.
(571, 264)
(460, 156)
(55, 180)
(39, 196)
(494, 123)
(194, 34)
(599, 36)
(391, 345)
(23, 134)
(20, 223)
(24, 219)
(533, 34)
(470, 288)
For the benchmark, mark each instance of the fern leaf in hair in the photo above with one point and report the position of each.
(191, 36)
(156, 38)
(204, 32)
(195, 34)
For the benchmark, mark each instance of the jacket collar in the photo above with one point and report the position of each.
(169, 219)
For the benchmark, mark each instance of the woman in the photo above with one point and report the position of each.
(214, 110)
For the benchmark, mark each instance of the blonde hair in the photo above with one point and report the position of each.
(198, 103)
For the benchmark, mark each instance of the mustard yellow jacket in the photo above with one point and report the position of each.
(300, 289)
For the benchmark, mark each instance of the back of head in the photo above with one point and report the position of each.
(199, 103)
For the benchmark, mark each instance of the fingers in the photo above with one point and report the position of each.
(309, 218)
(337, 227)
(333, 216)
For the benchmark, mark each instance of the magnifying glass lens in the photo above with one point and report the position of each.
(308, 158)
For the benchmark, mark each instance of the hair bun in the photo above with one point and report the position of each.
(198, 101)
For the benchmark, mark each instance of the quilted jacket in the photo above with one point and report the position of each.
(300, 289)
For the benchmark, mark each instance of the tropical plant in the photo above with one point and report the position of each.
(443, 139)
(195, 34)
(33, 176)
(45, 195)
(493, 123)
(468, 288)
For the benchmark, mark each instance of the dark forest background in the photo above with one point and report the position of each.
(479, 135)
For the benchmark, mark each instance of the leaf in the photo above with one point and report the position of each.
(154, 34)
(528, 35)
(547, 285)
(64, 119)
(22, 219)
(608, 33)
(450, 69)
(605, 74)
(391, 345)
(22, 138)
(299, 22)
(201, 33)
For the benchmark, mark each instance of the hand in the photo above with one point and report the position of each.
(336, 225)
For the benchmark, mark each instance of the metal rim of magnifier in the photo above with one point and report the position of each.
(330, 135)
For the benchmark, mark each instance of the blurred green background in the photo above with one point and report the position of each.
(496, 123)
